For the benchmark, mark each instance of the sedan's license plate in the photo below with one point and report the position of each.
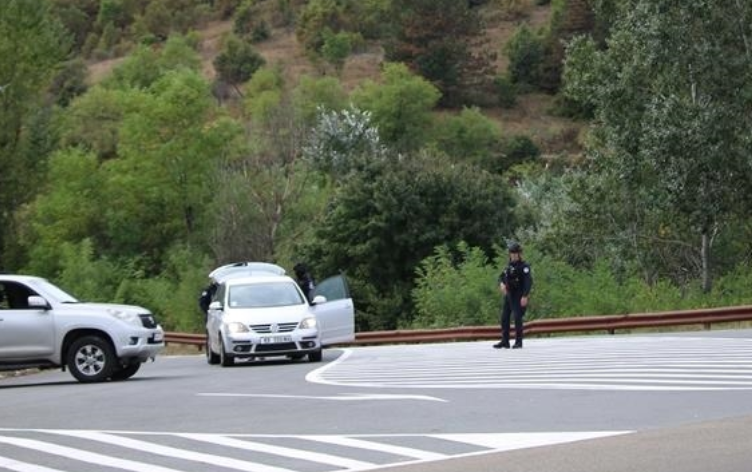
(275, 339)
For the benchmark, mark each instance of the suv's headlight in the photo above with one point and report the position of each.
(237, 327)
(308, 323)
(126, 316)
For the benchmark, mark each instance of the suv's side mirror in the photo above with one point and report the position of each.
(215, 305)
(35, 301)
(318, 300)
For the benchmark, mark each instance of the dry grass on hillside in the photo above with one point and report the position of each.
(531, 116)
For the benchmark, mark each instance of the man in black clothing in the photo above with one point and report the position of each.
(305, 280)
(206, 297)
(515, 284)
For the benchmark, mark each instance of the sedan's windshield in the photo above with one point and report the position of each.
(264, 295)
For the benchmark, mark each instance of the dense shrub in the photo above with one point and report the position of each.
(526, 53)
(238, 61)
(506, 92)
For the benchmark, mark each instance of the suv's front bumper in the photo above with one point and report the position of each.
(141, 344)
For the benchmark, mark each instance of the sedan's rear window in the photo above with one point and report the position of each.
(264, 295)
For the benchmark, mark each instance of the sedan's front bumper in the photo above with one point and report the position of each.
(299, 342)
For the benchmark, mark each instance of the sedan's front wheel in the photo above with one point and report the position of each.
(226, 360)
(315, 356)
(211, 357)
(91, 359)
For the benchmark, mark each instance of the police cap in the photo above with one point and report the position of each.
(515, 247)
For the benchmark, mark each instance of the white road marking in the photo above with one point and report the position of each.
(346, 397)
(633, 363)
(18, 466)
(375, 446)
(278, 450)
(143, 446)
(482, 443)
(511, 441)
(84, 456)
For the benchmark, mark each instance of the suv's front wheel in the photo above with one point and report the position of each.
(127, 371)
(91, 359)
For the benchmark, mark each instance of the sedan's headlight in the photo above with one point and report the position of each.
(308, 323)
(125, 316)
(236, 327)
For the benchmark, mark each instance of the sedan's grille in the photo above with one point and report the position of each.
(276, 347)
(148, 321)
(274, 328)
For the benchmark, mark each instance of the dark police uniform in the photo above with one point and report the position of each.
(518, 280)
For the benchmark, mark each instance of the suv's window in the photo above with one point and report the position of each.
(14, 296)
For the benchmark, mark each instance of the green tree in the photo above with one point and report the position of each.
(442, 40)
(470, 136)
(263, 93)
(263, 182)
(92, 121)
(387, 218)
(336, 47)
(316, 17)
(526, 52)
(73, 182)
(671, 102)
(157, 190)
(400, 105)
(78, 17)
(146, 65)
(313, 93)
(33, 44)
(456, 287)
(237, 61)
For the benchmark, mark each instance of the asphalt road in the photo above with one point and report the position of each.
(667, 403)
(718, 446)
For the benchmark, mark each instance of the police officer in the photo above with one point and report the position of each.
(515, 284)
(305, 280)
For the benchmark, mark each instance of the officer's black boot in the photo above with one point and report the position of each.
(501, 345)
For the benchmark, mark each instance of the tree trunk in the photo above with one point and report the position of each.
(707, 281)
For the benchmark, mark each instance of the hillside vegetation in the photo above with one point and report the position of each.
(533, 114)
(401, 142)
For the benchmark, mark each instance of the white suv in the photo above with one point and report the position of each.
(42, 326)
(258, 312)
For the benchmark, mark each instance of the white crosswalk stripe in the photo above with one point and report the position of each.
(148, 451)
(642, 363)
(83, 456)
(18, 466)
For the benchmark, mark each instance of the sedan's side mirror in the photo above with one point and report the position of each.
(35, 301)
(318, 300)
(215, 305)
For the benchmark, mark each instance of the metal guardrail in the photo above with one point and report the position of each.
(609, 324)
